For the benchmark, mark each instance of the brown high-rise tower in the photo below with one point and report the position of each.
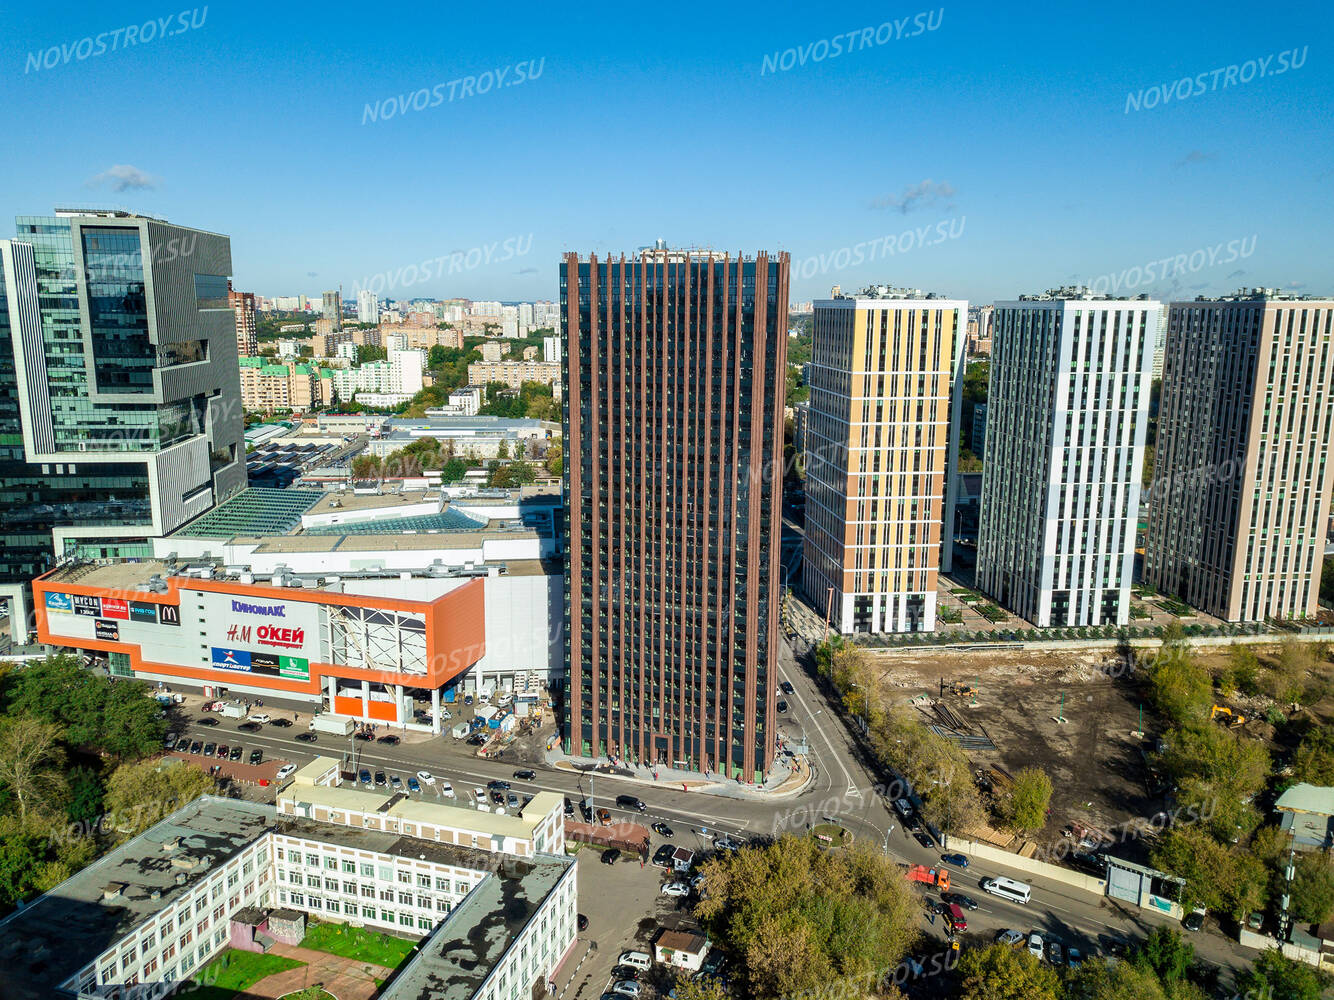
(675, 370)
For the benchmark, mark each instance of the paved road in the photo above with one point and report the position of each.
(843, 786)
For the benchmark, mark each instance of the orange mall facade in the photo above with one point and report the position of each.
(365, 657)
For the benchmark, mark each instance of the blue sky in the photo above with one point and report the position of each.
(1008, 126)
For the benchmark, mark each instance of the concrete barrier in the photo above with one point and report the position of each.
(989, 852)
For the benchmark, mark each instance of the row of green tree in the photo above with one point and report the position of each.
(803, 922)
(1233, 862)
(938, 770)
(78, 772)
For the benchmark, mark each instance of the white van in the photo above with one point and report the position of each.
(1007, 888)
(636, 960)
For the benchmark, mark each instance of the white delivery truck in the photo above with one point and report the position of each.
(233, 710)
(338, 725)
(460, 731)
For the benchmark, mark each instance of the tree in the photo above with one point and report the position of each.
(555, 460)
(999, 972)
(1119, 981)
(117, 718)
(436, 356)
(138, 795)
(1228, 881)
(365, 467)
(1029, 798)
(453, 470)
(370, 352)
(1181, 689)
(1278, 978)
(1313, 888)
(699, 988)
(798, 916)
(1166, 954)
(1313, 762)
(31, 761)
(85, 795)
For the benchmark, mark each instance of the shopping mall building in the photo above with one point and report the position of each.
(372, 624)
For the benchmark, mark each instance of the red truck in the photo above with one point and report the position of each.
(931, 876)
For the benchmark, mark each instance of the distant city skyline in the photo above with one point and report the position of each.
(1033, 160)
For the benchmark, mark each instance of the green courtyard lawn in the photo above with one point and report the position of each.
(357, 943)
(234, 972)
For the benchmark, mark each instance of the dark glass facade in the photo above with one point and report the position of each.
(675, 368)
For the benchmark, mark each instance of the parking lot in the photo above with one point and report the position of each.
(625, 909)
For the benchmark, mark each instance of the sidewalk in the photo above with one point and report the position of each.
(786, 779)
(345, 978)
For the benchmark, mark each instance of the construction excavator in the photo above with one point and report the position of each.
(1228, 717)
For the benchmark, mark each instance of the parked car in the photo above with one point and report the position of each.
(581, 922)
(479, 798)
(256, 756)
(697, 881)
(526, 774)
(307, 738)
(957, 860)
(662, 857)
(209, 749)
(1055, 953)
(287, 770)
(446, 789)
(604, 817)
(236, 752)
(380, 780)
(1012, 938)
(223, 750)
(728, 843)
(512, 802)
(196, 747)
(361, 736)
(183, 745)
(169, 740)
(262, 717)
(675, 889)
(476, 739)
(630, 802)
(959, 899)
(414, 785)
(922, 838)
(662, 830)
(365, 777)
(396, 783)
(250, 727)
(781, 706)
(1073, 956)
(467, 699)
(492, 786)
(1193, 920)
(426, 777)
(498, 798)
(787, 687)
(611, 857)
(282, 723)
(627, 988)
(389, 741)
(1036, 947)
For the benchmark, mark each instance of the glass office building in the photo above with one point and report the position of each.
(120, 413)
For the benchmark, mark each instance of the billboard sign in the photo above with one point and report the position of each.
(114, 607)
(106, 630)
(86, 605)
(169, 614)
(142, 611)
(295, 668)
(230, 659)
(59, 603)
(261, 625)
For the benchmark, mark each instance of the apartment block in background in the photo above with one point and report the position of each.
(120, 408)
(880, 448)
(247, 333)
(1067, 415)
(675, 364)
(332, 309)
(1239, 508)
